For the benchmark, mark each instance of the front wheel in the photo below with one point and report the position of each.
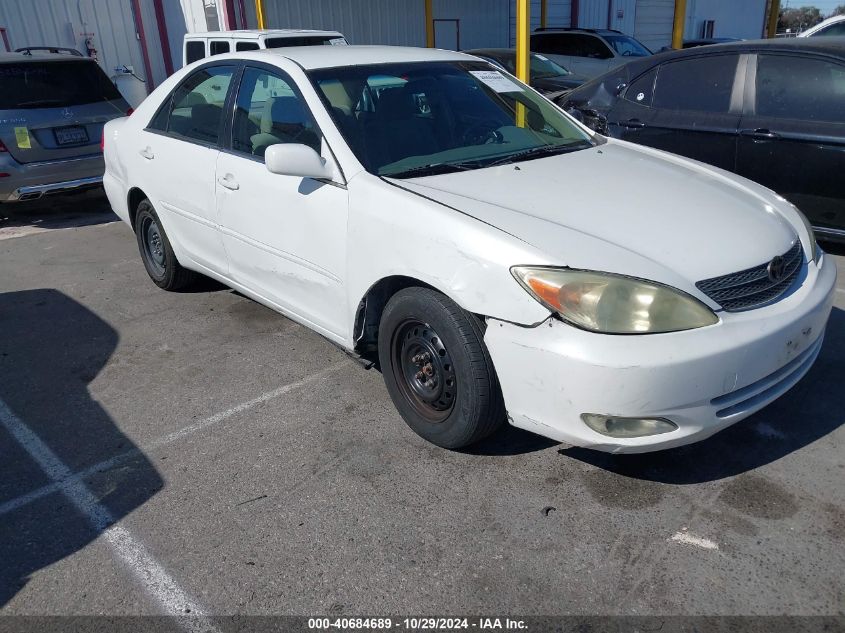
(437, 369)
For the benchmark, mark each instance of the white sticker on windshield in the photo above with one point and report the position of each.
(495, 80)
(538, 56)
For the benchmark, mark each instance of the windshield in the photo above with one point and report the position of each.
(627, 46)
(412, 119)
(541, 67)
(53, 84)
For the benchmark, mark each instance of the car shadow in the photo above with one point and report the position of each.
(51, 348)
(834, 248)
(809, 411)
(58, 212)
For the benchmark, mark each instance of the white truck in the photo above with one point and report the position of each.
(197, 46)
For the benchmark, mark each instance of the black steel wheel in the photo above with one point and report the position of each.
(423, 370)
(157, 253)
(437, 369)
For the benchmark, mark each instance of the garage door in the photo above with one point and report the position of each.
(653, 23)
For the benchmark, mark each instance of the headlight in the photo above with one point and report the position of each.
(613, 304)
(814, 247)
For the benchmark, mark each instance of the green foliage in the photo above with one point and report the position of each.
(800, 19)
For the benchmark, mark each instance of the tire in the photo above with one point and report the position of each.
(157, 253)
(437, 369)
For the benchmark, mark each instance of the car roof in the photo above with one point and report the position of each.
(20, 58)
(313, 57)
(829, 45)
(254, 34)
(572, 29)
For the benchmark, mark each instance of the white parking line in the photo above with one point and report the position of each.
(689, 539)
(157, 582)
(152, 575)
(69, 480)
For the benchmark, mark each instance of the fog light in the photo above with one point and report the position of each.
(615, 426)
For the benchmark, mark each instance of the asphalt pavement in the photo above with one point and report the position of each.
(172, 452)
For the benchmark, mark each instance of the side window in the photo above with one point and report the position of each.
(800, 88)
(218, 47)
(194, 50)
(195, 109)
(552, 43)
(591, 46)
(702, 84)
(838, 28)
(270, 111)
(246, 46)
(641, 89)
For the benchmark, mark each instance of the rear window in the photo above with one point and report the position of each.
(282, 42)
(53, 84)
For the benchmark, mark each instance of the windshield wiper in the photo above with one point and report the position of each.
(537, 152)
(23, 104)
(430, 170)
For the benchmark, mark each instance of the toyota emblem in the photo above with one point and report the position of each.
(776, 268)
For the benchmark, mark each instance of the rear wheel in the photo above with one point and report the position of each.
(157, 253)
(437, 369)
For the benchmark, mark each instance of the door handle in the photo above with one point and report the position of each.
(633, 123)
(229, 182)
(147, 153)
(760, 134)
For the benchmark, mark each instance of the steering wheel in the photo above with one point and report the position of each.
(483, 133)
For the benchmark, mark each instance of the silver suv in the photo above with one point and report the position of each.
(587, 52)
(52, 110)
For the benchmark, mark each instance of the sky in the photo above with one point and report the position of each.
(825, 6)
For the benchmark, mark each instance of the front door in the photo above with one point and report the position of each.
(285, 235)
(793, 134)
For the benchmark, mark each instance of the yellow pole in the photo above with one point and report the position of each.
(544, 12)
(429, 24)
(259, 13)
(774, 13)
(678, 25)
(523, 30)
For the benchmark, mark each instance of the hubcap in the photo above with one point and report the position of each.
(153, 245)
(423, 370)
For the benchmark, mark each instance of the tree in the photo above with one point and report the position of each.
(797, 20)
(840, 10)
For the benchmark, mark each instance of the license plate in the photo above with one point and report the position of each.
(71, 135)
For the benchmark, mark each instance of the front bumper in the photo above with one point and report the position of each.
(702, 380)
(30, 181)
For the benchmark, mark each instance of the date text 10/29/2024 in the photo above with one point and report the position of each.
(417, 624)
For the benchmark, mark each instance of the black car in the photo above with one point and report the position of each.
(770, 110)
(547, 76)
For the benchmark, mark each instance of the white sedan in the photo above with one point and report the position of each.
(499, 261)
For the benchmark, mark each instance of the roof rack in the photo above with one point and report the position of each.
(58, 50)
(574, 28)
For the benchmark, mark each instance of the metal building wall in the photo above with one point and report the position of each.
(393, 22)
(653, 23)
(592, 14)
(64, 23)
(559, 14)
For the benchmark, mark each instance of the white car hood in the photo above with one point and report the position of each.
(662, 213)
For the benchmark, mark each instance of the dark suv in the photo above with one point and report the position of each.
(587, 52)
(52, 110)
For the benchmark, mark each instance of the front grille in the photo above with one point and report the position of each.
(753, 287)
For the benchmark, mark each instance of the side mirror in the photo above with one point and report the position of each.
(295, 159)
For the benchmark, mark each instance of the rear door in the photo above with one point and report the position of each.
(695, 109)
(175, 158)
(793, 133)
(55, 109)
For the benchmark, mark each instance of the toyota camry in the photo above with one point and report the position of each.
(498, 261)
